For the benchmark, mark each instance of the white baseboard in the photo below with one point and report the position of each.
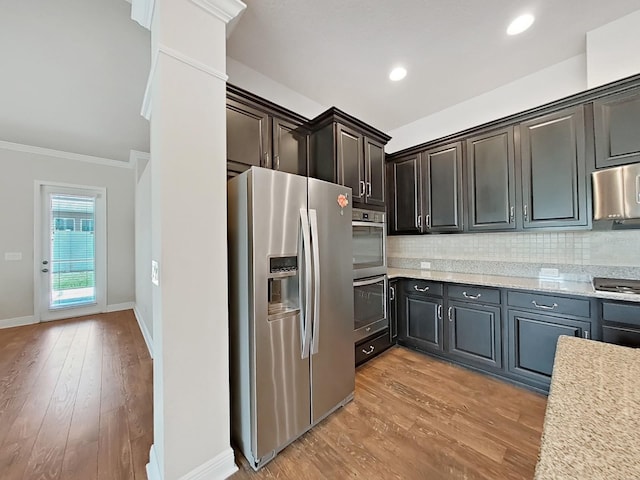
(153, 467)
(117, 307)
(18, 321)
(219, 467)
(143, 328)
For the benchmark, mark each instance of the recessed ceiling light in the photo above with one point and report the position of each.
(398, 73)
(520, 24)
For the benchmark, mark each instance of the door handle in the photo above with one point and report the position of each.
(415, 287)
(368, 189)
(392, 294)
(419, 221)
(44, 270)
(362, 188)
(266, 160)
(370, 351)
(305, 331)
(526, 213)
(313, 220)
(439, 312)
(277, 159)
(428, 220)
(450, 314)
(512, 214)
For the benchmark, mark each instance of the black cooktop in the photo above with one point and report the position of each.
(618, 285)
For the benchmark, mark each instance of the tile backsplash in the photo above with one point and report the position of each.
(575, 254)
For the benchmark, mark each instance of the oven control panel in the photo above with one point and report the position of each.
(372, 216)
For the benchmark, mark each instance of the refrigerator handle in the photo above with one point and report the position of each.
(305, 327)
(313, 220)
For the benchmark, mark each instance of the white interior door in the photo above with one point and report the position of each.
(71, 268)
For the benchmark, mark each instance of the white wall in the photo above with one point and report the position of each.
(613, 50)
(144, 307)
(18, 172)
(245, 77)
(552, 83)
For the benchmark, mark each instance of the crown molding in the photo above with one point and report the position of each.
(142, 12)
(49, 152)
(225, 10)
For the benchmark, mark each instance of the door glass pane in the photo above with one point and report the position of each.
(72, 251)
(368, 247)
(368, 303)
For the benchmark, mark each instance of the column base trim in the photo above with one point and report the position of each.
(219, 467)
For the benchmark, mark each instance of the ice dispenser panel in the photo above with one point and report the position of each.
(284, 287)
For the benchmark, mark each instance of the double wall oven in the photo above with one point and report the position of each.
(369, 273)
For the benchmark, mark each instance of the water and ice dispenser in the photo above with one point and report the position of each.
(284, 287)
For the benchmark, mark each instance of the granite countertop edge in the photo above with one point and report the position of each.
(584, 289)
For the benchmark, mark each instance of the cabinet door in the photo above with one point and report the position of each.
(289, 147)
(406, 196)
(350, 162)
(617, 129)
(374, 172)
(475, 333)
(247, 137)
(393, 311)
(423, 322)
(532, 342)
(554, 182)
(491, 181)
(441, 178)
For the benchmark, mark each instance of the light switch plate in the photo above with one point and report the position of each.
(155, 273)
(425, 265)
(12, 256)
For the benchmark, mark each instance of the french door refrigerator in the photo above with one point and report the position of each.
(291, 307)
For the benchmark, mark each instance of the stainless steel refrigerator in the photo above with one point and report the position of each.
(290, 307)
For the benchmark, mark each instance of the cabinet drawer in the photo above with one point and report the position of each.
(425, 287)
(621, 313)
(578, 307)
(621, 336)
(371, 348)
(473, 293)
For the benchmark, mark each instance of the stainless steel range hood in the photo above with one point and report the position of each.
(616, 193)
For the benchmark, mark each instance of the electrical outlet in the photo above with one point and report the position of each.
(425, 265)
(155, 273)
(549, 273)
(12, 256)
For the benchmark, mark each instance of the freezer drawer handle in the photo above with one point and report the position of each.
(370, 351)
(544, 307)
(472, 297)
(415, 287)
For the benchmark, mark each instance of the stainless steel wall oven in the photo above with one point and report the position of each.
(369, 243)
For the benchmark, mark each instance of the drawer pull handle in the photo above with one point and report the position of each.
(544, 307)
(415, 287)
(472, 297)
(370, 351)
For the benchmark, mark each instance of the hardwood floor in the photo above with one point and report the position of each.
(76, 403)
(415, 417)
(76, 400)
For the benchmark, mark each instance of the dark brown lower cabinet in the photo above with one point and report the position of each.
(532, 339)
(475, 333)
(422, 325)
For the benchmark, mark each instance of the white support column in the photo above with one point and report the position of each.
(185, 99)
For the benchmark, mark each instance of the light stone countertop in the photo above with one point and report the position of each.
(584, 289)
(591, 425)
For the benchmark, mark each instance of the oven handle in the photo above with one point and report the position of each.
(371, 281)
(368, 224)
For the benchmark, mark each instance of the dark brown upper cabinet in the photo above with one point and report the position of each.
(347, 151)
(260, 133)
(617, 129)
(248, 137)
(441, 185)
(554, 179)
(404, 209)
(491, 181)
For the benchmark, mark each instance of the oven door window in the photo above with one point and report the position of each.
(369, 303)
(368, 246)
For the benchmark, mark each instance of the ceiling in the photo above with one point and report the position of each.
(73, 76)
(339, 52)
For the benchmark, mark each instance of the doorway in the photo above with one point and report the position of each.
(70, 260)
